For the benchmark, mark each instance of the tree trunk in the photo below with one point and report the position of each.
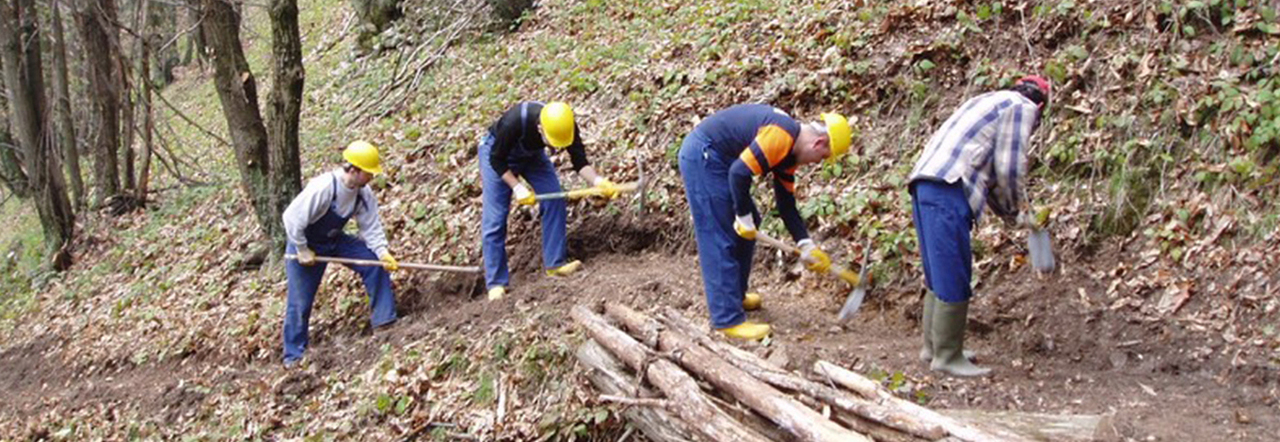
(285, 106)
(872, 390)
(687, 399)
(11, 173)
(609, 376)
(127, 124)
(238, 92)
(873, 414)
(802, 422)
(195, 40)
(23, 74)
(100, 56)
(144, 69)
(66, 125)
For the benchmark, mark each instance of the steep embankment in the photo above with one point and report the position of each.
(1157, 157)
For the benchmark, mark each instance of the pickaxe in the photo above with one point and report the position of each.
(583, 193)
(407, 265)
(859, 281)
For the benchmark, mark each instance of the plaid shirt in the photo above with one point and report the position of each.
(984, 143)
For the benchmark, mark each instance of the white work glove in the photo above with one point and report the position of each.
(306, 256)
(745, 226)
(523, 195)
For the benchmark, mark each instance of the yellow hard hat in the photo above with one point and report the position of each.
(839, 135)
(557, 123)
(363, 155)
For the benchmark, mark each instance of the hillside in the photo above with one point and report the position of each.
(1158, 157)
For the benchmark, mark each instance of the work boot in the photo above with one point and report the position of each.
(926, 327)
(747, 330)
(752, 301)
(565, 270)
(948, 340)
(497, 292)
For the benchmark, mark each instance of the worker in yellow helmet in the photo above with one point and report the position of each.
(314, 224)
(717, 163)
(516, 147)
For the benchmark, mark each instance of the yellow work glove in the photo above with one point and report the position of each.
(607, 188)
(816, 259)
(389, 262)
(306, 256)
(745, 226)
(523, 195)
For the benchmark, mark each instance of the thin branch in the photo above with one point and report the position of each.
(184, 116)
(645, 402)
(181, 34)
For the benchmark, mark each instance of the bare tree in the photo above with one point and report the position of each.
(95, 19)
(195, 42)
(11, 173)
(23, 74)
(125, 80)
(286, 102)
(62, 106)
(148, 126)
(238, 92)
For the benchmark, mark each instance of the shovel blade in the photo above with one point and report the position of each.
(1041, 250)
(853, 303)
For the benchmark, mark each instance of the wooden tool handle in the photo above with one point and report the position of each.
(835, 269)
(585, 192)
(406, 265)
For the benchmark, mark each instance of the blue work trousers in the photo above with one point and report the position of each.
(537, 169)
(725, 257)
(944, 222)
(304, 281)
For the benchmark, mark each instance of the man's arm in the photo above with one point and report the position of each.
(506, 135)
(370, 223)
(1010, 160)
(786, 203)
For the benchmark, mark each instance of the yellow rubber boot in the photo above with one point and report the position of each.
(565, 270)
(497, 292)
(752, 301)
(747, 330)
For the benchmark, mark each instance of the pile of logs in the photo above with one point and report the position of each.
(710, 390)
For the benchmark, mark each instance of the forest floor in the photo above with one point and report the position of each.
(1055, 342)
(168, 328)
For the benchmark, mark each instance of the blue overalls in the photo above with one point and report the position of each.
(537, 169)
(944, 222)
(326, 238)
(725, 257)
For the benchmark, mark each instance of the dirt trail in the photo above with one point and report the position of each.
(1053, 350)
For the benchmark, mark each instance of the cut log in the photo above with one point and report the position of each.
(609, 376)
(778, 377)
(872, 429)
(789, 414)
(872, 390)
(688, 401)
(1037, 426)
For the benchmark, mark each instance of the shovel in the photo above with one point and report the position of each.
(853, 301)
(406, 265)
(1038, 244)
(583, 193)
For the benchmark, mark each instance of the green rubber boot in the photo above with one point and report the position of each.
(948, 340)
(926, 328)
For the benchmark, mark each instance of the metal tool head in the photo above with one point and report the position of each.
(1041, 250)
(853, 302)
